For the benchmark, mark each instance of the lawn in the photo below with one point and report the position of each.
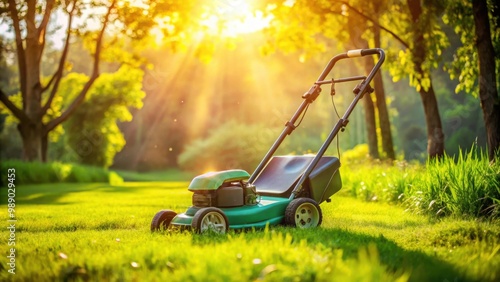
(101, 232)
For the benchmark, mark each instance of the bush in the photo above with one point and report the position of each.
(358, 154)
(92, 130)
(230, 146)
(37, 173)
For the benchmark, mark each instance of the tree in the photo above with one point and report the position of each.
(418, 31)
(29, 22)
(356, 30)
(92, 131)
(362, 27)
(383, 114)
(488, 91)
(324, 19)
(474, 23)
(29, 50)
(423, 19)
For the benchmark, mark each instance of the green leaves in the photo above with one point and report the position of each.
(464, 66)
(426, 41)
(92, 131)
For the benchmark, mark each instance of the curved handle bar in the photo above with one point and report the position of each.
(354, 54)
(363, 52)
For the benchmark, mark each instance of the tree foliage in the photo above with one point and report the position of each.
(477, 61)
(459, 15)
(417, 66)
(92, 131)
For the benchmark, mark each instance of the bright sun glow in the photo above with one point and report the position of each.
(225, 18)
(234, 17)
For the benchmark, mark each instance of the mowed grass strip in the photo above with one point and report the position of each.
(101, 232)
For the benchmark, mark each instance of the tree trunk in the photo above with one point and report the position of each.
(435, 135)
(488, 93)
(371, 128)
(45, 145)
(357, 41)
(31, 135)
(370, 118)
(383, 115)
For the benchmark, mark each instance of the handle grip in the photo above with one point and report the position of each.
(362, 52)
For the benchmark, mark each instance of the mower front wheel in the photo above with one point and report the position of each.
(162, 220)
(303, 213)
(210, 219)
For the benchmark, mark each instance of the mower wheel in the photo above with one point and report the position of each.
(303, 213)
(162, 220)
(210, 220)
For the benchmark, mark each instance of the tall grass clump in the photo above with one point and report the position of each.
(38, 173)
(465, 186)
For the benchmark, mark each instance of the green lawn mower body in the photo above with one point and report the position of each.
(282, 189)
(264, 202)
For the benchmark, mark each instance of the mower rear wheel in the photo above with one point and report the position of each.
(162, 220)
(210, 220)
(303, 213)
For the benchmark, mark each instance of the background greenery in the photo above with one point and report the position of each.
(177, 114)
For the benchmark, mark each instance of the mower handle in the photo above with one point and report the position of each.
(309, 97)
(362, 52)
(354, 54)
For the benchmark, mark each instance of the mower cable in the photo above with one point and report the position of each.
(303, 115)
(336, 112)
(335, 108)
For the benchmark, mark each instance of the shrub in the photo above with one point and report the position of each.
(230, 146)
(358, 154)
(37, 173)
(92, 130)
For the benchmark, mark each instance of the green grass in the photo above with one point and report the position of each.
(465, 186)
(101, 232)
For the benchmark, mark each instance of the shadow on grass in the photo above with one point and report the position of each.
(421, 266)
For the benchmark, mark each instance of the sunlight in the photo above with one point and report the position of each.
(233, 18)
(250, 23)
(222, 18)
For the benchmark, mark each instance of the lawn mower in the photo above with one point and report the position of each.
(282, 189)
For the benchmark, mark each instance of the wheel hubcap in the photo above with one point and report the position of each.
(213, 221)
(306, 216)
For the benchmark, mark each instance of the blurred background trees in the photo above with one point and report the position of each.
(217, 80)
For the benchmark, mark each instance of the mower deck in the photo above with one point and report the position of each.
(270, 210)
